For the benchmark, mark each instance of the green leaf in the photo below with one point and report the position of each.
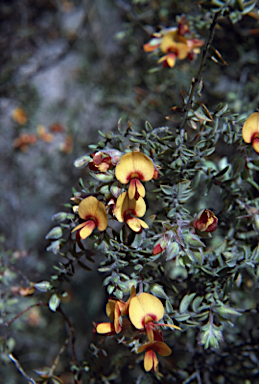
(82, 161)
(167, 189)
(54, 233)
(158, 291)
(43, 286)
(193, 240)
(186, 302)
(172, 250)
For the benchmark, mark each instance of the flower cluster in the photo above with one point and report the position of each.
(133, 168)
(175, 42)
(144, 311)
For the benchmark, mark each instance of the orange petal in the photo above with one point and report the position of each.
(170, 325)
(105, 328)
(134, 165)
(251, 127)
(162, 348)
(142, 306)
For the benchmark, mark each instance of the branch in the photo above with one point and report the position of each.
(202, 66)
(20, 369)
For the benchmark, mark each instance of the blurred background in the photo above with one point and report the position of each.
(69, 69)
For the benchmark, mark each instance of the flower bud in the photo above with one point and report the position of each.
(206, 221)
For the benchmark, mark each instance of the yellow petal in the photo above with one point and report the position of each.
(134, 165)
(87, 229)
(135, 224)
(251, 127)
(170, 58)
(88, 207)
(101, 217)
(150, 360)
(140, 188)
(118, 211)
(125, 206)
(173, 42)
(91, 208)
(144, 305)
(105, 328)
(110, 307)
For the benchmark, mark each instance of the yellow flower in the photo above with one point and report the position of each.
(94, 213)
(132, 168)
(173, 42)
(145, 311)
(127, 209)
(251, 131)
(150, 359)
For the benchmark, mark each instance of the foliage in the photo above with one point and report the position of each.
(195, 251)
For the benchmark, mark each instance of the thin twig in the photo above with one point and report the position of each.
(202, 66)
(20, 369)
(40, 303)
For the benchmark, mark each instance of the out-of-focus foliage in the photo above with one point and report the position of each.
(199, 254)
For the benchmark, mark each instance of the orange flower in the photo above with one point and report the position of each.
(132, 168)
(115, 309)
(127, 209)
(145, 311)
(150, 359)
(251, 131)
(206, 221)
(94, 213)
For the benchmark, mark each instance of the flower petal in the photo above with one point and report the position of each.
(134, 165)
(170, 59)
(87, 229)
(173, 42)
(88, 207)
(142, 306)
(162, 348)
(150, 361)
(101, 217)
(256, 144)
(120, 207)
(251, 127)
(110, 308)
(135, 224)
(105, 328)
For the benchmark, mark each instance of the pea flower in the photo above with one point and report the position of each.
(145, 310)
(94, 213)
(127, 209)
(150, 359)
(133, 168)
(206, 221)
(104, 160)
(251, 131)
(115, 309)
(175, 42)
